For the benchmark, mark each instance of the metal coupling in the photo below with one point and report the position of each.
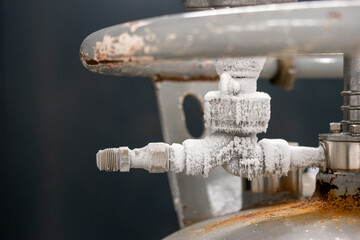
(237, 107)
(155, 157)
(342, 144)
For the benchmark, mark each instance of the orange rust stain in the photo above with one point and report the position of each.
(335, 15)
(133, 25)
(121, 62)
(269, 213)
(351, 203)
(333, 208)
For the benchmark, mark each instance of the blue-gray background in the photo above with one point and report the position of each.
(56, 115)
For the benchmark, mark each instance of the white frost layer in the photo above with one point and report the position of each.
(304, 157)
(139, 158)
(177, 158)
(244, 113)
(224, 193)
(276, 156)
(215, 150)
(195, 152)
(249, 166)
(239, 155)
(230, 86)
(154, 157)
(254, 95)
(249, 67)
(242, 156)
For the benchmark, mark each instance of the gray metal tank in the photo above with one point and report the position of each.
(333, 212)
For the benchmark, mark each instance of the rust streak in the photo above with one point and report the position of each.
(323, 204)
(269, 213)
(335, 15)
(119, 62)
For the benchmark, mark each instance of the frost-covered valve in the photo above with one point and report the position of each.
(239, 156)
(237, 107)
(233, 116)
(155, 157)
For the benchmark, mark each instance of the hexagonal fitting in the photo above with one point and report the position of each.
(124, 159)
(354, 129)
(155, 157)
(335, 127)
(158, 154)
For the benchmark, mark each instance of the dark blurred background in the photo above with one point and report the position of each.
(56, 115)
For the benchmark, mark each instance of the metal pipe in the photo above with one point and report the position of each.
(351, 93)
(269, 30)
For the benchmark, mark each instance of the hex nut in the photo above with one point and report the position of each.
(158, 154)
(124, 155)
(335, 127)
(355, 129)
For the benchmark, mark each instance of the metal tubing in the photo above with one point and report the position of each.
(269, 30)
(352, 73)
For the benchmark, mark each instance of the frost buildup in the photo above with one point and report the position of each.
(233, 116)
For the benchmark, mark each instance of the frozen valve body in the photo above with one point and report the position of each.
(233, 115)
(240, 156)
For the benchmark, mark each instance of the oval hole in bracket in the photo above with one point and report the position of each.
(193, 111)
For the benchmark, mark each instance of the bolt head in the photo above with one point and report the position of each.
(354, 129)
(335, 127)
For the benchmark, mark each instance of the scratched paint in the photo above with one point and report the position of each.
(111, 48)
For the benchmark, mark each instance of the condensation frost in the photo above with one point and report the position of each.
(233, 115)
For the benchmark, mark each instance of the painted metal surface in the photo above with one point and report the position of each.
(269, 30)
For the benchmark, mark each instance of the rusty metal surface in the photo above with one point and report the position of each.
(269, 30)
(342, 186)
(207, 4)
(331, 213)
(323, 66)
(286, 73)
